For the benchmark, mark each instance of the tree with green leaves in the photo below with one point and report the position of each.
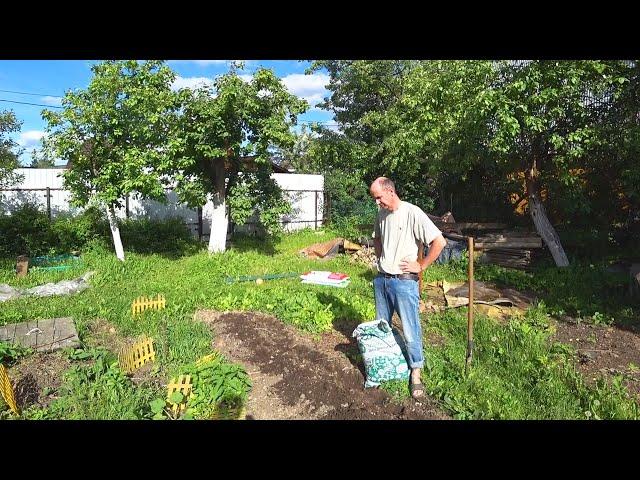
(117, 136)
(40, 158)
(530, 124)
(224, 126)
(363, 95)
(614, 167)
(9, 151)
(544, 118)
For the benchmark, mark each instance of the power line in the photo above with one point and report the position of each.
(28, 103)
(34, 94)
(325, 122)
(309, 122)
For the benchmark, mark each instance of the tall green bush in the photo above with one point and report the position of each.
(28, 231)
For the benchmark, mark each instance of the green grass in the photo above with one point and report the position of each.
(516, 372)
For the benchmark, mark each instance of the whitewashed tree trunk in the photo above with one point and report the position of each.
(219, 219)
(115, 232)
(543, 225)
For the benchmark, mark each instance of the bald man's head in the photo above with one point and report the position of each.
(385, 183)
(383, 191)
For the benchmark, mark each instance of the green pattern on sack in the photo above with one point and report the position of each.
(383, 357)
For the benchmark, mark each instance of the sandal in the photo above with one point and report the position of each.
(417, 390)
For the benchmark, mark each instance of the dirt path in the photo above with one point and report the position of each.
(603, 350)
(298, 376)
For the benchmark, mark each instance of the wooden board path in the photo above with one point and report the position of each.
(44, 335)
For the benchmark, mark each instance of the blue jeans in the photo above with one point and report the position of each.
(401, 296)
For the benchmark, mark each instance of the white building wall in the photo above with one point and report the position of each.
(301, 189)
(40, 179)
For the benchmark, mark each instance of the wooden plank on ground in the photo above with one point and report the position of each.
(8, 333)
(21, 337)
(65, 334)
(510, 243)
(45, 337)
(51, 334)
(31, 336)
(470, 225)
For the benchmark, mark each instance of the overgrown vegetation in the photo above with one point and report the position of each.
(97, 390)
(517, 372)
(487, 139)
(29, 231)
(10, 353)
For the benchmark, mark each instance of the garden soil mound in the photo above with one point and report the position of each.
(306, 377)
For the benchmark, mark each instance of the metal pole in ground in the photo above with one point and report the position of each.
(470, 310)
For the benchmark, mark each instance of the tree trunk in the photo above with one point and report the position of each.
(219, 220)
(541, 221)
(115, 232)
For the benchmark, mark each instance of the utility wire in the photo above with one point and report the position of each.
(34, 94)
(310, 122)
(28, 103)
(325, 122)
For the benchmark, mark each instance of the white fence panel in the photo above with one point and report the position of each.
(305, 192)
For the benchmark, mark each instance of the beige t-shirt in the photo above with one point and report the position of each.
(399, 232)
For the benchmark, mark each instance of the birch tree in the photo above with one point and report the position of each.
(221, 127)
(9, 150)
(116, 136)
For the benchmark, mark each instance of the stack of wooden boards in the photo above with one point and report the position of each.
(499, 246)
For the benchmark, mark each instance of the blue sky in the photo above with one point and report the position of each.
(44, 82)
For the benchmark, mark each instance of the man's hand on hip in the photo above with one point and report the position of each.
(410, 267)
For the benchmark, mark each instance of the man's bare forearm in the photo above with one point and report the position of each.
(434, 252)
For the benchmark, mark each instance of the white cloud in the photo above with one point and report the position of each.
(56, 101)
(190, 82)
(30, 138)
(247, 78)
(202, 63)
(310, 87)
(206, 63)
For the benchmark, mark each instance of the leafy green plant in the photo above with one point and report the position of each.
(517, 373)
(219, 391)
(10, 353)
(25, 231)
(99, 390)
(219, 388)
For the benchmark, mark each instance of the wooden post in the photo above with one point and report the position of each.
(126, 206)
(326, 218)
(420, 257)
(200, 224)
(316, 211)
(49, 202)
(470, 310)
(22, 266)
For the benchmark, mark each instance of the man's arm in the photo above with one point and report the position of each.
(377, 245)
(418, 266)
(434, 252)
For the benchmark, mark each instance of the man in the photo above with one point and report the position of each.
(399, 228)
